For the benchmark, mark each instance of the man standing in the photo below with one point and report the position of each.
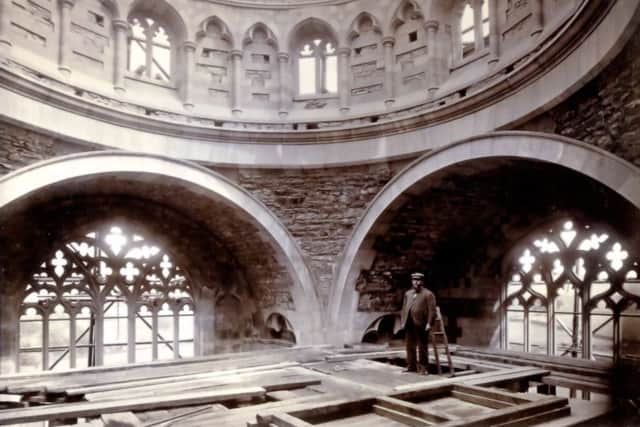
(418, 312)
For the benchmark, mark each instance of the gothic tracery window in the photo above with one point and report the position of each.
(474, 26)
(573, 291)
(149, 50)
(317, 67)
(108, 297)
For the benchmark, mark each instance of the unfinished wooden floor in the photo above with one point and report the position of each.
(295, 387)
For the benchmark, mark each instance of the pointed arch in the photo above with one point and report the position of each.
(310, 27)
(619, 175)
(214, 23)
(257, 28)
(307, 315)
(364, 19)
(406, 10)
(161, 11)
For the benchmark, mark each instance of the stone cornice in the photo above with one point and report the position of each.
(276, 4)
(443, 109)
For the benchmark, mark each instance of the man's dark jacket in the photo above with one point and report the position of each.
(421, 306)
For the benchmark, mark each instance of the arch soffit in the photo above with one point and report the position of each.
(249, 36)
(38, 176)
(602, 166)
(163, 12)
(311, 25)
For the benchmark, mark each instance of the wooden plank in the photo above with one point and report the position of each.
(538, 419)
(485, 378)
(493, 393)
(121, 419)
(177, 415)
(510, 414)
(389, 354)
(282, 420)
(62, 380)
(412, 409)
(400, 417)
(274, 381)
(128, 385)
(580, 384)
(480, 400)
(89, 409)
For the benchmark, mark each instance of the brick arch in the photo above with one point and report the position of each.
(308, 315)
(613, 172)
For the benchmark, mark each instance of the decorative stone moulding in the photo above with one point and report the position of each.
(447, 103)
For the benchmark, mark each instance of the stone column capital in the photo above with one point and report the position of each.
(67, 3)
(283, 56)
(236, 53)
(432, 25)
(120, 24)
(189, 45)
(388, 41)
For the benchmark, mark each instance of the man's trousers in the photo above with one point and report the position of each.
(416, 338)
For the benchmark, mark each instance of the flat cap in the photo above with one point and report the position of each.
(417, 275)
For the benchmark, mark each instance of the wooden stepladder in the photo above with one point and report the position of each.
(437, 332)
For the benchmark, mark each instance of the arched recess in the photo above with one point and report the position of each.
(367, 60)
(181, 181)
(213, 78)
(603, 167)
(261, 79)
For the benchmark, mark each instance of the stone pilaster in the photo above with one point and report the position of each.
(236, 78)
(285, 83)
(389, 65)
(120, 30)
(431, 69)
(189, 50)
(537, 17)
(5, 27)
(494, 32)
(64, 51)
(344, 88)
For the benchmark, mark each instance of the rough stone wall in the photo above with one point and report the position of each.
(319, 207)
(21, 147)
(605, 112)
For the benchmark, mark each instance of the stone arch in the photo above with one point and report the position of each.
(613, 172)
(36, 179)
(256, 28)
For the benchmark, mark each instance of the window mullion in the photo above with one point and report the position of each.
(45, 341)
(154, 333)
(131, 333)
(72, 339)
(525, 335)
(319, 63)
(149, 53)
(176, 332)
